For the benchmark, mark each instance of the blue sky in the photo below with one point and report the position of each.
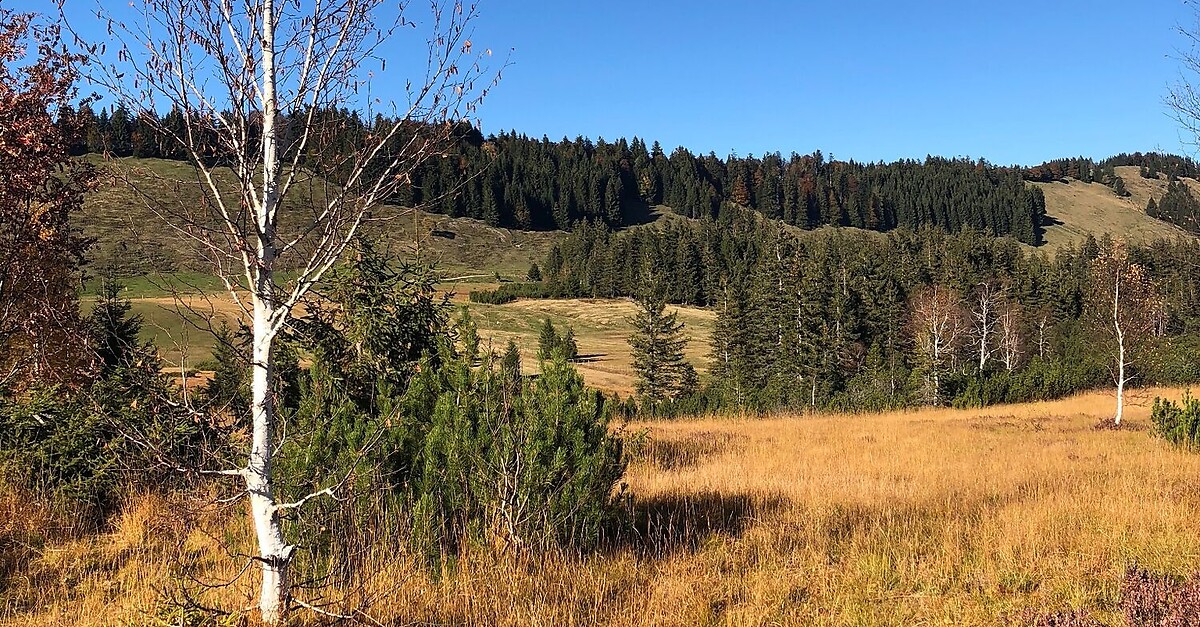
(1013, 82)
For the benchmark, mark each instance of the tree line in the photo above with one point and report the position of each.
(515, 181)
(852, 320)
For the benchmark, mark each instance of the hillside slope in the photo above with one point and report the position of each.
(129, 235)
(1074, 209)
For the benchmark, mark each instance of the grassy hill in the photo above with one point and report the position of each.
(471, 255)
(130, 235)
(1075, 208)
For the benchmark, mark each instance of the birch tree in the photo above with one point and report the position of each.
(937, 326)
(249, 80)
(1010, 319)
(985, 303)
(1123, 302)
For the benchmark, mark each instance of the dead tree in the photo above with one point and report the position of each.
(1010, 319)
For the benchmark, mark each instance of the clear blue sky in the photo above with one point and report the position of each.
(1019, 81)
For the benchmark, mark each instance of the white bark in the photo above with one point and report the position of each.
(1011, 340)
(221, 65)
(937, 320)
(274, 553)
(1120, 334)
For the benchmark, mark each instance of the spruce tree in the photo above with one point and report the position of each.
(658, 344)
(114, 332)
(568, 346)
(548, 341)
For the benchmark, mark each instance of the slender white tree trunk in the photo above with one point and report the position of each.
(275, 555)
(1120, 351)
(1120, 385)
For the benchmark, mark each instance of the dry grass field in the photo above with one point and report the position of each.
(602, 331)
(930, 517)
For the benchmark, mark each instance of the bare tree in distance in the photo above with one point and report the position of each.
(937, 325)
(1183, 98)
(986, 301)
(247, 81)
(1010, 317)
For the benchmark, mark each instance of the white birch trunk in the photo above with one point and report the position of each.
(1120, 351)
(274, 553)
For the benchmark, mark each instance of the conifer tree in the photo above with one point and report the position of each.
(548, 341)
(568, 346)
(658, 343)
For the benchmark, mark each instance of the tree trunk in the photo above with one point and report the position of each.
(1120, 386)
(1120, 351)
(275, 554)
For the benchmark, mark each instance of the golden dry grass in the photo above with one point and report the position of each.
(1084, 208)
(602, 331)
(938, 516)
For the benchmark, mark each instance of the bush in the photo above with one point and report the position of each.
(1038, 381)
(1156, 600)
(76, 445)
(455, 447)
(532, 463)
(509, 292)
(1179, 423)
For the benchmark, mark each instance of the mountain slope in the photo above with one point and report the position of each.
(130, 236)
(1074, 209)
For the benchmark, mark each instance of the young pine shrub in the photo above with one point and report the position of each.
(430, 439)
(1177, 423)
(124, 428)
(530, 465)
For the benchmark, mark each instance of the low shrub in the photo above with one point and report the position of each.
(1177, 423)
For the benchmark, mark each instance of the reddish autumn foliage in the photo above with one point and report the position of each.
(40, 189)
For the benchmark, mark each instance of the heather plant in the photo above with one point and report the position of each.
(1156, 600)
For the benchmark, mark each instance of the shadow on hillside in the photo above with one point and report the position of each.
(1049, 220)
(669, 523)
(635, 214)
(1040, 230)
(589, 358)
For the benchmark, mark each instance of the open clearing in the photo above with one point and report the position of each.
(181, 326)
(602, 332)
(1075, 209)
(950, 517)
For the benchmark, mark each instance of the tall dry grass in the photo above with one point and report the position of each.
(952, 517)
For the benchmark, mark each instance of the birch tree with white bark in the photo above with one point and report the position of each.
(1010, 319)
(937, 326)
(250, 79)
(1122, 305)
(986, 301)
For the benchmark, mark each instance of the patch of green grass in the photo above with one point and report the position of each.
(176, 332)
(156, 285)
